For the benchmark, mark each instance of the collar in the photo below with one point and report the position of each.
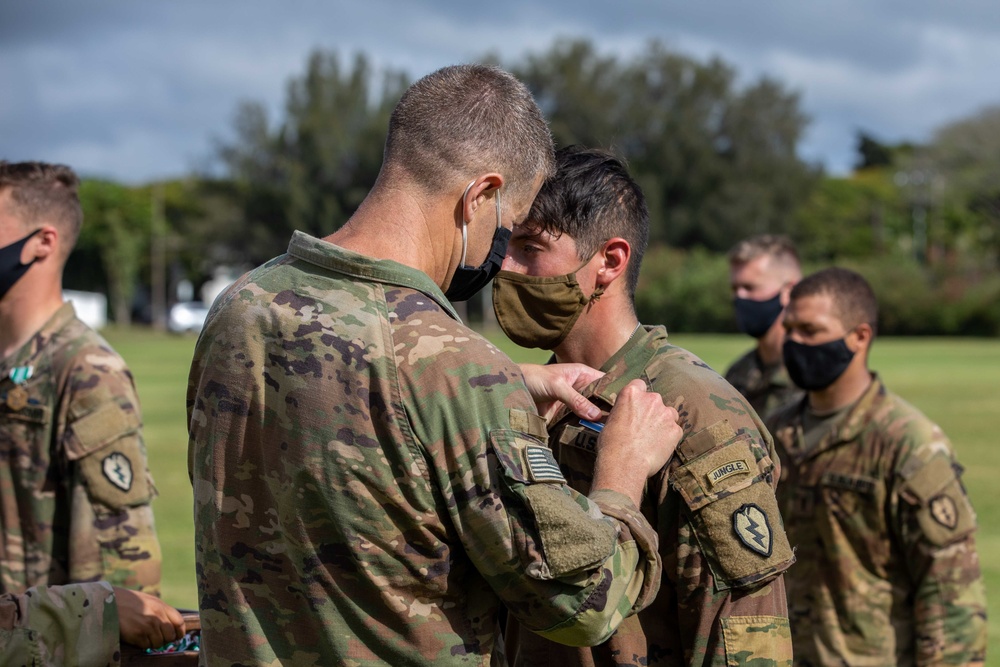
(63, 316)
(625, 365)
(849, 426)
(334, 258)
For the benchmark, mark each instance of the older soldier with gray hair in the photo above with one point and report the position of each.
(371, 477)
(872, 498)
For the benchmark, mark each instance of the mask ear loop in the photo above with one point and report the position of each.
(465, 224)
(499, 225)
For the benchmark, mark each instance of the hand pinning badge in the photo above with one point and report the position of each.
(17, 398)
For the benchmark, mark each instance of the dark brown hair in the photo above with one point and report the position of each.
(43, 193)
(852, 296)
(592, 198)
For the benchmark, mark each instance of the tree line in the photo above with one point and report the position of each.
(716, 159)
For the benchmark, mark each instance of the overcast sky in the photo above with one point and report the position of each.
(138, 89)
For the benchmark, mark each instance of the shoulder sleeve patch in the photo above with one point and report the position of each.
(943, 510)
(734, 514)
(116, 476)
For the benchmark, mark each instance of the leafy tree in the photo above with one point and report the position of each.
(716, 162)
(966, 156)
(872, 153)
(314, 168)
(116, 230)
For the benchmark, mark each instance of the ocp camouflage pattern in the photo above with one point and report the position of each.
(887, 570)
(75, 625)
(75, 488)
(722, 601)
(368, 489)
(766, 388)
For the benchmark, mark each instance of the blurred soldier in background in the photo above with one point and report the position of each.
(371, 477)
(75, 489)
(568, 286)
(762, 271)
(82, 624)
(870, 491)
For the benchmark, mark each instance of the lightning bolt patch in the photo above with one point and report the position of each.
(753, 529)
(118, 470)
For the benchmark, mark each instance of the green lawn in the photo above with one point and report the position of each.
(955, 381)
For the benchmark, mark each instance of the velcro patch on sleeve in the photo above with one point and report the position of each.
(727, 470)
(542, 465)
(528, 422)
(98, 429)
(705, 440)
(116, 475)
(572, 539)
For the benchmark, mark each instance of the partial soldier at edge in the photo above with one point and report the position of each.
(82, 624)
(78, 490)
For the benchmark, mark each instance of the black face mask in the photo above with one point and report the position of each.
(815, 367)
(470, 279)
(756, 317)
(11, 269)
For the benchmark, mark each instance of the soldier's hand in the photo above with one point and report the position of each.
(639, 437)
(147, 621)
(555, 385)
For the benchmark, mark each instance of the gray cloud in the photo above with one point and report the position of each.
(135, 90)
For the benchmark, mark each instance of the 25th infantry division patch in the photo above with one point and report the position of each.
(752, 527)
(118, 470)
(944, 511)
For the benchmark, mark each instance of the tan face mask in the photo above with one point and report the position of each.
(539, 311)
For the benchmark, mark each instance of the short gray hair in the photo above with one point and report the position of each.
(465, 120)
(776, 246)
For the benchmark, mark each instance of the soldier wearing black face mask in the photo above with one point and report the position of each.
(872, 500)
(762, 271)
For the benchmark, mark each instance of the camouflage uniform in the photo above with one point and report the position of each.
(766, 388)
(60, 626)
(74, 485)
(887, 570)
(722, 600)
(371, 480)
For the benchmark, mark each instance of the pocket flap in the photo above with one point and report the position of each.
(98, 429)
(719, 474)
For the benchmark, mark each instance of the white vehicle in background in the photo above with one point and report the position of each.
(187, 316)
(90, 307)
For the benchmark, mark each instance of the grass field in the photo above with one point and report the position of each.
(955, 381)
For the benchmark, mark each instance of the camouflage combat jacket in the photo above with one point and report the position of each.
(371, 480)
(722, 599)
(60, 626)
(887, 570)
(766, 388)
(74, 484)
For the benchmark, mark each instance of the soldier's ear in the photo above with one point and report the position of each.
(44, 244)
(863, 335)
(615, 255)
(785, 292)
